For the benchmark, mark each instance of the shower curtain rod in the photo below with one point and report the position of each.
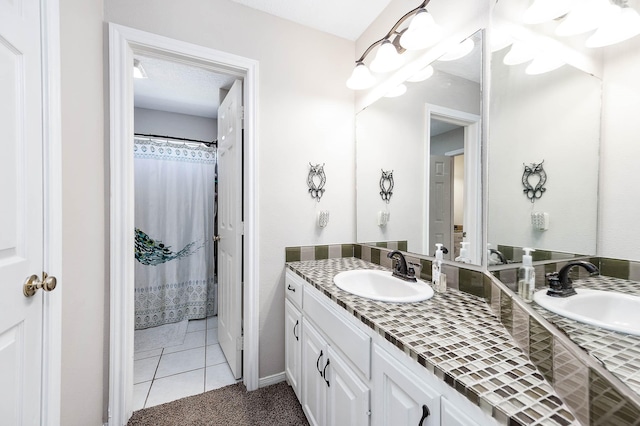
(212, 143)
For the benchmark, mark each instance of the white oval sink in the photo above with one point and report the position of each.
(606, 309)
(381, 285)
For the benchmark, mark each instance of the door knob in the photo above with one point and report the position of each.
(33, 284)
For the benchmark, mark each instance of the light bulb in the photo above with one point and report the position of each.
(546, 10)
(422, 32)
(620, 26)
(421, 75)
(387, 58)
(543, 63)
(585, 16)
(518, 54)
(361, 78)
(459, 51)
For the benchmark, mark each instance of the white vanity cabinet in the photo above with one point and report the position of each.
(401, 398)
(293, 345)
(293, 333)
(349, 375)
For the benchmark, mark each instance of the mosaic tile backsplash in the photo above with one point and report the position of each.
(462, 342)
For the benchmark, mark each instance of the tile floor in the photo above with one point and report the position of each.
(196, 366)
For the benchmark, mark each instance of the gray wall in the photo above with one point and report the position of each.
(150, 121)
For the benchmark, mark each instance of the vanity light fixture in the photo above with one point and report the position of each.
(138, 71)
(421, 33)
(459, 51)
(387, 59)
(543, 63)
(546, 10)
(622, 24)
(519, 53)
(585, 16)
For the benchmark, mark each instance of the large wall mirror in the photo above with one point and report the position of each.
(428, 143)
(544, 132)
(580, 118)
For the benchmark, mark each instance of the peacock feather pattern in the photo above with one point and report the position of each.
(154, 252)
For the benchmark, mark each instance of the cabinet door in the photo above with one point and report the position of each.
(453, 416)
(399, 396)
(348, 396)
(293, 345)
(314, 387)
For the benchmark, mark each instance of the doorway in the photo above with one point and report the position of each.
(177, 352)
(124, 44)
(454, 210)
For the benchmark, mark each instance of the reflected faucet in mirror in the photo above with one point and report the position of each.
(560, 285)
(501, 259)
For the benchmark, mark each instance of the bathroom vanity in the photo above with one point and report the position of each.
(443, 361)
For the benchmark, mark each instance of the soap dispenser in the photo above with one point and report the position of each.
(438, 279)
(526, 277)
(464, 253)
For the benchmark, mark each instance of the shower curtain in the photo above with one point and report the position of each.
(174, 219)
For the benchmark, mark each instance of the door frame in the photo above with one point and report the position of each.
(123, 43)
(472, 174)
(52, 210)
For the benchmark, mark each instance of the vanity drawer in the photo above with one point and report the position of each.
(293, 288)
(353, 343)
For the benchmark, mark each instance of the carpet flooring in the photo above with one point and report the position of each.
(275, 405)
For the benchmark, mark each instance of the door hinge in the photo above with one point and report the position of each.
(241, 228)
(242, 112)
(240, 343)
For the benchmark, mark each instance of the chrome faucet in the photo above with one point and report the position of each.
(560, 285)
(400, 269)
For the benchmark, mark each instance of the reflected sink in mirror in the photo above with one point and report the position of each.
(606, 309)
(381, 285)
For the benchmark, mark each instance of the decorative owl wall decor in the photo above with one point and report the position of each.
(531, 172)
(316, 181)
(386, 185)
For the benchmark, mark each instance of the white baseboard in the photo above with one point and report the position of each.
(272, 380)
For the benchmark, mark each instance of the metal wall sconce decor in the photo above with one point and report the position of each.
(534, 192)
(386, 185)
(316, 181)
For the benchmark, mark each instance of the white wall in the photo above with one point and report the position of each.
(618, 232)
(150, 121)
(553, 117)
(449, 141)
(85, 276)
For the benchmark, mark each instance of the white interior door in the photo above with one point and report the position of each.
(21, 214)
(440, 204)
(230, 227)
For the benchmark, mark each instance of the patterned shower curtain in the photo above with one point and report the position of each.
(174, 217)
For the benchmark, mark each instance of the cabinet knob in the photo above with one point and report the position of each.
(425, 414)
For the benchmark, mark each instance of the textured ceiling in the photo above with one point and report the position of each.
(175, 87)
(343, 18)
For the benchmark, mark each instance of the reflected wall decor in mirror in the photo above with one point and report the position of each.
(431, 138)
(534, 116)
